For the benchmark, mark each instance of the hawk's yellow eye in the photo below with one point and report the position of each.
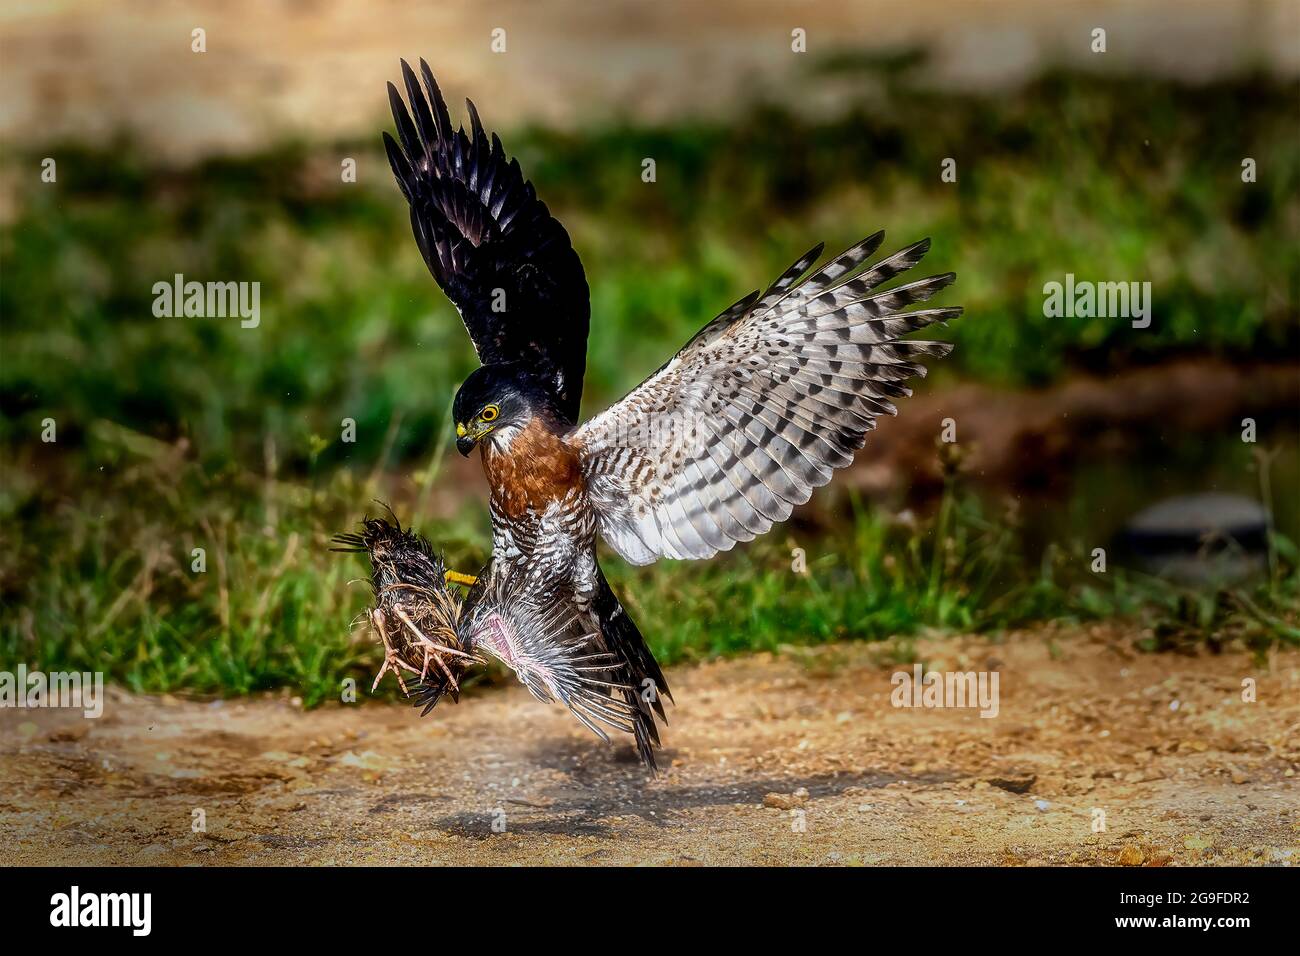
(490, 413)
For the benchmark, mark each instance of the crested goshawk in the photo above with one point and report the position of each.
(721, 443)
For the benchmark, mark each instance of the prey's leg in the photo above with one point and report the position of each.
(391, 660)
(433, 650)
(455, 577)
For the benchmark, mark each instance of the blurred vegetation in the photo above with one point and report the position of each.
(183, 433)
(109, 581)
(1110, 179)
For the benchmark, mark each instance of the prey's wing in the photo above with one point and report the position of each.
(506, 264)
(759, 407)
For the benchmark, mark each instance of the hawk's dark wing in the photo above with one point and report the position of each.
(506, 264)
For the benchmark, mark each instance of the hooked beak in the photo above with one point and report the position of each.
(464, 440)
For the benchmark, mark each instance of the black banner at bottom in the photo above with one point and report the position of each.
(334, 905)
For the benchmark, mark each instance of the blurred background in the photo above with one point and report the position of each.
(170, 485)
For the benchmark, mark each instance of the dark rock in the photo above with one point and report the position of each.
(1200, 538)
(1018, 784)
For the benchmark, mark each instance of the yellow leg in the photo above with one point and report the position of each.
(455, 577)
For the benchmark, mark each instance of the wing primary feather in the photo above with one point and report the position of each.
(481, 227)
(783, 387)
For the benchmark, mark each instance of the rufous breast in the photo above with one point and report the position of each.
(537, 468)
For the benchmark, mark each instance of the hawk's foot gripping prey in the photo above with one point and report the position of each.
(731, 434)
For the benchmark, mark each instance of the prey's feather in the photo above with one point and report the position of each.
(415, 611)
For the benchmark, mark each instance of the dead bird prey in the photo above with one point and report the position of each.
(416, 613)
(428, 631)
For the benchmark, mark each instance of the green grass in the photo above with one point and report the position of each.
(106, 581)
(168, 428)
(1111, 179)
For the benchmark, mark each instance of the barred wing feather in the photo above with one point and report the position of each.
(760, 407)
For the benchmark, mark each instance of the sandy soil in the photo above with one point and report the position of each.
(799, 758)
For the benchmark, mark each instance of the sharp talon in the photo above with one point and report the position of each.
(455, 577)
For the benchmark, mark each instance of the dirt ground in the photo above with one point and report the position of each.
(794, 759)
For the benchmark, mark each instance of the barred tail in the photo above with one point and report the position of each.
(648, 686)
